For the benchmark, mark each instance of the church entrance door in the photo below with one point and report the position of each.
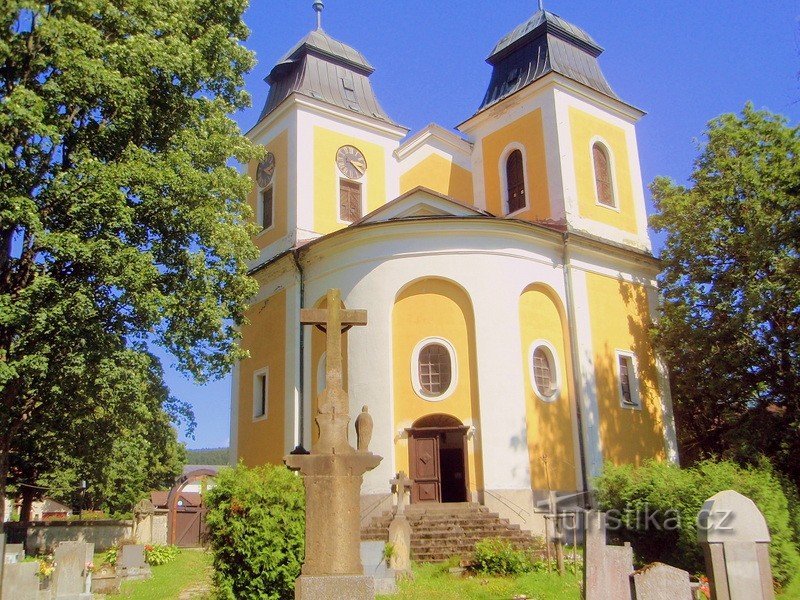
(438, 459)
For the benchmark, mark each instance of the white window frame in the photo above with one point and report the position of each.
(504, 178)
(555, 370)
(633, 379)
(260, 207)
(415, 382)
(256, 399)
(612, 167)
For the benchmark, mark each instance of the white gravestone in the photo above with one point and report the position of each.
(735, 541)
(21, 581)
(71, 577)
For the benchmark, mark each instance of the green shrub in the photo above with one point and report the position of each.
(160, 555)
(256, 527)
(671, 497)
(498, 557)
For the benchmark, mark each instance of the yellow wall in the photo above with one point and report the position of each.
(620, 318)
(440, 175)
(264, 337)
(584, 127)
(279, 146)
(549, 424)
(326, 177)
(434, 307)
(318, 344)
(528, 132)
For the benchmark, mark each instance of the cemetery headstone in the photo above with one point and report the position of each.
(2, 560)
(21, 581)
(607, 568)
(332, 476)
(14, 553)
(658, 581)
(131, 563)
(735, 540)
(72, 576)
(106, 580)
(374, 561)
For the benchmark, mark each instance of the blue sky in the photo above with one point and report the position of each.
(684, 62)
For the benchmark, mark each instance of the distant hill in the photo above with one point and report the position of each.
(207, 456)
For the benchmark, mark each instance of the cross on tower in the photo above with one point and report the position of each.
(333, 414)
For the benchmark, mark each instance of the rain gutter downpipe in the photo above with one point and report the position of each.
(301, 410)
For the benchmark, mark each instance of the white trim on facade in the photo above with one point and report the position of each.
(261, 385)
(633, 379)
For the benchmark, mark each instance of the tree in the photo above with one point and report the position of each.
(729, 292)
(121, 223)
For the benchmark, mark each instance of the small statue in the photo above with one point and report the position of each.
(364, 429)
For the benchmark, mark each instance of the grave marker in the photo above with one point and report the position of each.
(21, 581)
(658, 581)
(71, 579)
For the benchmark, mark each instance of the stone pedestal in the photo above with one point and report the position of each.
(332, 567)
(334, 587)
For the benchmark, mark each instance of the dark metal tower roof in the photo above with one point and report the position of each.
(321, 67)
(544, 44)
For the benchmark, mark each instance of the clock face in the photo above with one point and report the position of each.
(266, 169)
(351, 162)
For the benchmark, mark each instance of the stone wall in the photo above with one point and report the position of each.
(42, 537)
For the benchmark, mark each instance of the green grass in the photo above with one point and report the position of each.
(433, 581)
(191, 570)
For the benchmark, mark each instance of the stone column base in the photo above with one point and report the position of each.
(334, 587)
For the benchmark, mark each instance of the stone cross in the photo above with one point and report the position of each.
(400, 485)
(332, 476)
(333, 414)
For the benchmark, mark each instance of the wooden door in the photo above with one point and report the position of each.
(190, 527)
(425, 468)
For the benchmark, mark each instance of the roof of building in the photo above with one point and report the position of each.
(323, 68)
(544, 44)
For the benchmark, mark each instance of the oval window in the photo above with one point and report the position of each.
(543, 368)
(435, 369)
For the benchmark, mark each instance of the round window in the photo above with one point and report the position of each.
(543, 369)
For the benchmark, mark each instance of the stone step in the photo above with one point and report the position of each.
(442, 531)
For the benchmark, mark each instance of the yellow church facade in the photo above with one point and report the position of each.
(506, 270)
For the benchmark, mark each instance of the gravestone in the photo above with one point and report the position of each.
(21, 581)
(332, 475)
(374, 561)
(2, 560)
(607, 569)
(14, 553)
(106, 580)
(400, 528)
(131, 563)
(71, 576)
(735, 540)
(658, 581)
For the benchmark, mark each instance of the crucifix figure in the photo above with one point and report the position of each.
(333, 414)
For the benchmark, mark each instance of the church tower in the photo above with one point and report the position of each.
(330, 145)
(553, 142)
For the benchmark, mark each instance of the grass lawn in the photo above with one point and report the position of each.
(187, 577)
(433, 581)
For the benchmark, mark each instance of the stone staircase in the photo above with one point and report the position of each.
(442, 531)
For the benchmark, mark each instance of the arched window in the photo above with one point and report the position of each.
(602, 175)
(515, 180)
(435, 369)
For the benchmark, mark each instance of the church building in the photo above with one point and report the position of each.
(506, 271)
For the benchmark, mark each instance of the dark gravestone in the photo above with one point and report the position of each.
(21, 581)
(658, 581)
(131, 563)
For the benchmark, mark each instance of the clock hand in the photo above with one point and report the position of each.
(360, 166)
